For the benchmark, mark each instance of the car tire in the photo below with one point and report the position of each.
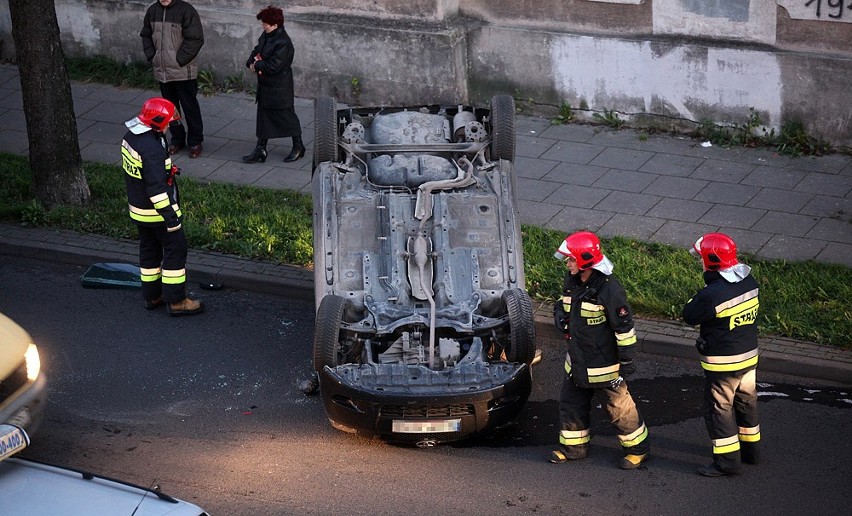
(502, 127)
(521, 326)
(325, 130)
(327, 332)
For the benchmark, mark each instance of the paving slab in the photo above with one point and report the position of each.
(671, 164)
(777, 199)
(679, 209)
(727, 193)
(625, 180)
(627, 202)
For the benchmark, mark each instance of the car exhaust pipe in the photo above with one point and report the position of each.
(426, 443)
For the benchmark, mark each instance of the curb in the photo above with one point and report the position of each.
(778, 355)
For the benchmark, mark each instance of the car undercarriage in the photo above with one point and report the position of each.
(419, 278)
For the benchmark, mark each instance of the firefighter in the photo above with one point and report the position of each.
(597, 323)
(726, 310)
(152, 194)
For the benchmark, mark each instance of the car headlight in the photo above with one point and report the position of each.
(33, 362)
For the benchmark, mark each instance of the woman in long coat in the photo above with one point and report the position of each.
(271, 61)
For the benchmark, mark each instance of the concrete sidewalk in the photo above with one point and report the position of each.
(659, 188)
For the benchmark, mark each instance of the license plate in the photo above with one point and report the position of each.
(21, 418)
(12, 440)
(427, 426)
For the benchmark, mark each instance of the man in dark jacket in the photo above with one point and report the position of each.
(152, 195)
(171, 38)
(726, 309)
(598, 325)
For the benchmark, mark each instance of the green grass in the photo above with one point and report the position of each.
(138, 74)
(104, 70)
(803, 300)
(253, 222)
(807, 300)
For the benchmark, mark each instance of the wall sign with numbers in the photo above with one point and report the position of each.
(819, 10)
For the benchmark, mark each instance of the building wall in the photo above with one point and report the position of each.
(667, 62)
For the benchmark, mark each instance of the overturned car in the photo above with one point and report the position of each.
(424, 332)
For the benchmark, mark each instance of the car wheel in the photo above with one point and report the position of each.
(327, 332)
(521, 326)
(502, 127)
(325, 130)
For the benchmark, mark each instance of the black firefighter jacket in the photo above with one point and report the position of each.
(727, 313)
(172, 37)
(599, 325)
(147, 173)
(274, 72)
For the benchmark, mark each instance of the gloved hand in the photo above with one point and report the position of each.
(701, 345)
(615, 384)
(561, 321)
(172, 229)
(174, 171)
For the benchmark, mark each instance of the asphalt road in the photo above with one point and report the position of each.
(207, 408)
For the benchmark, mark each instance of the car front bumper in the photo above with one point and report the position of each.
(415, 405)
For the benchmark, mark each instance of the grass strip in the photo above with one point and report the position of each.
(103, 70)
(802, 300)
(253, 222)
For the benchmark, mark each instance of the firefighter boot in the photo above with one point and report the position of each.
(712, 470)
(186, 307)
(750, 453)
(633, 461)
(567, 453)
(151, 304)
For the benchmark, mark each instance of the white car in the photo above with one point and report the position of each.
(22, 384)
(30, 487)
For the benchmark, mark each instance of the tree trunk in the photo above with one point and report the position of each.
(58, 175)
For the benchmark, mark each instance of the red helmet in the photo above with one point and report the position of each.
(583, 246)
(157, 112)
(716, 250)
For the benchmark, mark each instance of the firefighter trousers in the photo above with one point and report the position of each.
(575, 406)
(730, 412)
(162, 263)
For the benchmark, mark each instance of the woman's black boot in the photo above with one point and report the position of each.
(258, 155)
(298, 150)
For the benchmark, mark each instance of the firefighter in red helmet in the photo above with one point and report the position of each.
(152, 195)
(597, 323)
(726, 311)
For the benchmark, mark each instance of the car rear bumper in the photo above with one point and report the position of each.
(401, 414)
